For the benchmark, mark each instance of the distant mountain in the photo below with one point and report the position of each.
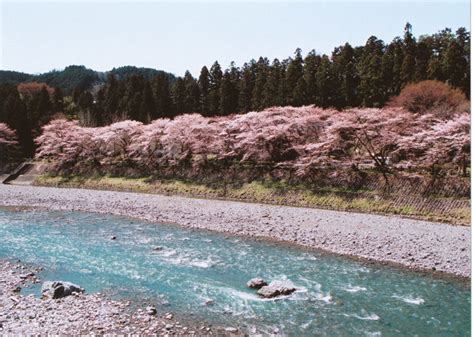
(147, 73)
(75, 76)
(14, 77)
(70, 78)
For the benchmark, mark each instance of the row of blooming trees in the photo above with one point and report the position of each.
(303, 140)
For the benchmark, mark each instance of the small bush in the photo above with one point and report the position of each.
(431, 96)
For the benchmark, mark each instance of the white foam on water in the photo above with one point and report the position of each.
(185, 260)
(304, 326)
(168, 253)
(202, 264)
(409, 299)
(370, 317)
(327, 298)
(374, 334)
(354, 289)
(237, 294)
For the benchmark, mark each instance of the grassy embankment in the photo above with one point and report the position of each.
(278, 193)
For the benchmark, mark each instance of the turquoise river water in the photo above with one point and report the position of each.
(335, 297)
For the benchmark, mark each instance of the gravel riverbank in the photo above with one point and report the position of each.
(81, 313)
(414, 244)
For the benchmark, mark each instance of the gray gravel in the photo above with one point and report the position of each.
(82, 314)
(415, 244)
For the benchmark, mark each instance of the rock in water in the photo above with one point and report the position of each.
(151, 310)
(256, 283)
(230, 329)
(59, 289)
(276, 288)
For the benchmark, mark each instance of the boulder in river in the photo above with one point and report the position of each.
(276, 288)
(256, 283)
(59, 289)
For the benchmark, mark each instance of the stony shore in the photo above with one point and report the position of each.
(81, 313)
(418, 245)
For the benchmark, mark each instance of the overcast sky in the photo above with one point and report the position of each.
(41, 36)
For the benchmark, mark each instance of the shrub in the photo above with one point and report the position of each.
(431, 96)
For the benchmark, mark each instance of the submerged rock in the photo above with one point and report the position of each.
(256, 283)
(276, 288)
(59, 289)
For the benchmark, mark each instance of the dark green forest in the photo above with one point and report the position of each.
(78, 77)
(351, 76)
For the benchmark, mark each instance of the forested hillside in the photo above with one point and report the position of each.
(360, 76)
(78, 78)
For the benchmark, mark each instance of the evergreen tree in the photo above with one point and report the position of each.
(43, 106)
(178, 95)
(162, 97)
(326, 83)
(227, 103)
(272, 94)
(463, 38)
(409, 61)
(293, 75)
(98, 109)
(58, 100)
(13, 113)
(147, 105)
(246, 84)
(346, 78)
(398, 57)
(85, 102)
(204, 87)
(112, 96)
(311, 64)
(262, 73)
(130, 103)
(215, 78)
(300, 93)
(371, 88)
(229, 95)
(455, 64)
(191, 94)
(423, 55)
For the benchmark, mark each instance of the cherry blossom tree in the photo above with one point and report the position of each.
(305, 140)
